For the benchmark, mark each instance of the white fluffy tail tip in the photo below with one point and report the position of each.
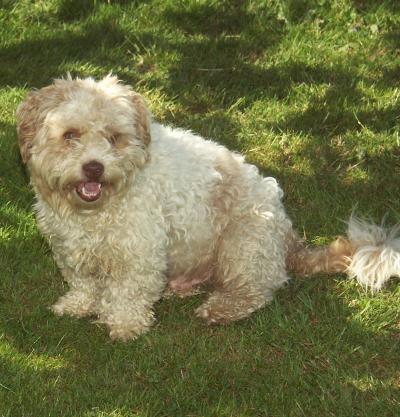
(377, 253)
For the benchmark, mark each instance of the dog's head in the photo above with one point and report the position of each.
(83, 140)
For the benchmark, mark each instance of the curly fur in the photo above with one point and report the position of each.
(377, 257)
(170, 209)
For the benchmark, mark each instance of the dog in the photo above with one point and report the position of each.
(131, 208)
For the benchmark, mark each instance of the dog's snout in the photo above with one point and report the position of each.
(93, 169)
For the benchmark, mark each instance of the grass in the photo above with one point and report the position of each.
(309, 91)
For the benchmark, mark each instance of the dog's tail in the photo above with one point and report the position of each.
(370, 253)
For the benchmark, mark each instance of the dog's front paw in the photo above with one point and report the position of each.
(58, 309)
(74, 304)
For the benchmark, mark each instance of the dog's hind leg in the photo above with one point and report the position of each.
(250, 267)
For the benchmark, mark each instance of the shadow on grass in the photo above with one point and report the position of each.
(227, 17)
(55, 52)
(227, 67)
(330, 115)
(373, 5)
(14, 181)
(223, 62)
(71, 10)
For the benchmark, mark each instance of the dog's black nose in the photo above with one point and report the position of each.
(93, 170)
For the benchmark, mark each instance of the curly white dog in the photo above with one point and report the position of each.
(131, 207)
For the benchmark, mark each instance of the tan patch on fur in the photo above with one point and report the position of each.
(142, 119)
(223, 197)
(30, 115)
(329, 259)
(226, 192)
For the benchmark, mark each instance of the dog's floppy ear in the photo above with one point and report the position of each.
(31, 113)
(28, 120)
(142, 118)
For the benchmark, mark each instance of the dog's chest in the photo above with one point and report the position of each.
(106, 246)
(97, 253)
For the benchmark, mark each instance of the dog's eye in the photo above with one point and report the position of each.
(71, 135)
(113, 139)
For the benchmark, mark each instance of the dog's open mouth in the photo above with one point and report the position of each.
(89, 191)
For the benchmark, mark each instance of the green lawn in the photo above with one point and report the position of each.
(309, 91)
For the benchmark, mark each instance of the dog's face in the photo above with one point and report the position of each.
(83, 140)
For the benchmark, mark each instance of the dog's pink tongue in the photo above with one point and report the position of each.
(89, 191)
(92, 187)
